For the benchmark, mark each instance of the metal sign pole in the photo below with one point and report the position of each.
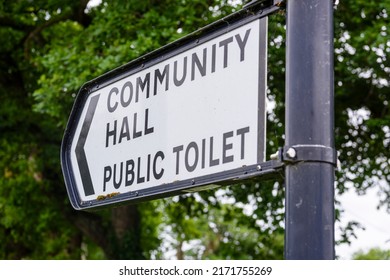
(309, 153)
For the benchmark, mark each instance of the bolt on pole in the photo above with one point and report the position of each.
(309, 130)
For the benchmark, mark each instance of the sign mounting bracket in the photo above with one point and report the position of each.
(309, 153)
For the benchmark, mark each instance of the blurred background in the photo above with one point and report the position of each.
(50, 48)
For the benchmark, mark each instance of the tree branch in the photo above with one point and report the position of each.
(76, 13)
(34, 33)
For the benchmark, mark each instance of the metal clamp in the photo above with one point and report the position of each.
(310, 153)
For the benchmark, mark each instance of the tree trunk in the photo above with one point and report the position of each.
(126, 226)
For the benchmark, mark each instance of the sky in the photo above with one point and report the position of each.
(363, 209)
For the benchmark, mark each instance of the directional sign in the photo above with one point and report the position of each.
(188, 115)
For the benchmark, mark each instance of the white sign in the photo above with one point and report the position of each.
(193, 114)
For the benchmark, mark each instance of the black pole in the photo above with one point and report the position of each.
(309, 152)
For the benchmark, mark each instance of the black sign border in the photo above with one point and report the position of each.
(257, 11)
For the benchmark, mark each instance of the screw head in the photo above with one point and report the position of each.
(291, 153)
(274, 156)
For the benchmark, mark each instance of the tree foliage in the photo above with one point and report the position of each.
(362, 93)
(372, 254)
(50, 48)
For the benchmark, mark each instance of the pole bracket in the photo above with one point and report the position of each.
(309, 153)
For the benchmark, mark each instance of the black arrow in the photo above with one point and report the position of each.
(80, 153)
